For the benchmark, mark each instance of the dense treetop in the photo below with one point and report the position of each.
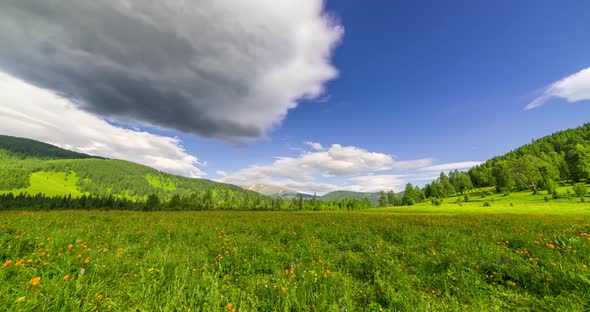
(26, 148)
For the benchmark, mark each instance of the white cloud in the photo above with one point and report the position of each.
(31, 112)
(335, 162)
(572, 88)
(221, 69)
(451, 166)
(314, 145)
(338, 160)
(221, 173)
(376, 183)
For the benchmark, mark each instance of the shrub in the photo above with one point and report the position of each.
(436, 201)
(504, 190)
(551, 187)
(580, 190)
(486, 204)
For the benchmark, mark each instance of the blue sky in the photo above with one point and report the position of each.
(427, 82)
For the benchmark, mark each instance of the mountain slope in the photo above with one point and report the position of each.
(268, 189)
(341, 195)
(275, 191)
(22, 148)
(34, 167)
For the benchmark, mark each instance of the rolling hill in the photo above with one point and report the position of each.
(342, 195)
(28, 166)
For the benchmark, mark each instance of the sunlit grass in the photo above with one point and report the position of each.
(51, 184)
(514, 203)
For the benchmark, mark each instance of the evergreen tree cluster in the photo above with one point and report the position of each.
(25, 148)
(193, 202)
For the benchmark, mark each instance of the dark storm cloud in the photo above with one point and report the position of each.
(218, 69)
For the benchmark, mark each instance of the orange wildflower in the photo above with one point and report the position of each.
(7, 263)
(99, 297)
(87, 260)
(35, 281)
(70, 246)
(283, 289)
(66, 277)
(229, 306)
(105, 249)
(511, 284)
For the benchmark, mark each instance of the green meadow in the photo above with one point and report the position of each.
(424, 257)
(493, 203)
(51, 184)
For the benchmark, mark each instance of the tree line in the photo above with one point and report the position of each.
(193, 202)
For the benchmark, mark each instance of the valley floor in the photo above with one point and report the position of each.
(279, 261)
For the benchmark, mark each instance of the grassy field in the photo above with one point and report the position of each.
(51, 184)
(514, 203)
(276, 261)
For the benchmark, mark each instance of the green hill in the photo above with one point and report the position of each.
(343, 195)
(560, 157)
(28, 166)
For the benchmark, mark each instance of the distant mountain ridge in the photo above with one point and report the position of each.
(274, 191)
(268, 189)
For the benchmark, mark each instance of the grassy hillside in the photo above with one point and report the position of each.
(27, 166)
(486, 201)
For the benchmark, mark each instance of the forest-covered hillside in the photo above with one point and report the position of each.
(562, 156)
(21, 148)
(35, 167)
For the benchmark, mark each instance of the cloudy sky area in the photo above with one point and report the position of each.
(310, 95)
